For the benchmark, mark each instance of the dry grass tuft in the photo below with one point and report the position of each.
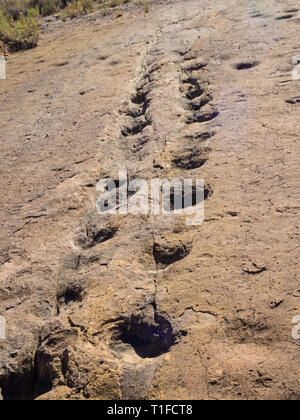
(19, 19)
(22, 32)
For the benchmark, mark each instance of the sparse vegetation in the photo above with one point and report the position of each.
(77, 7)
(14, 8)
(144, 3)
(19, 19)
(146, 6)
(47, 7)
(22, 32)
(114, 3)
(2, 48)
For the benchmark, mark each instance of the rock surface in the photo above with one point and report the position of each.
(120, 307)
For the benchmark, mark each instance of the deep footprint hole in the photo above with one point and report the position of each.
(26, 384)
(103, 235)
(71, 293)
(139, 98)
(18, 386)
(191, 159)
(202, 137)
(189, 162)
(246, 65)
(136, 128)
(201, 117)
(149, 340)
(285, 17)
(165, 255)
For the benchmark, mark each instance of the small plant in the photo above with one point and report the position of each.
(115, 3)
(15, 8)
(105, 11)
(47, 7)
(19, 19)
(77, 7)
(145, 4)
(22, 33)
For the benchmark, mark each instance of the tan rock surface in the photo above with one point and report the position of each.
(145, 306)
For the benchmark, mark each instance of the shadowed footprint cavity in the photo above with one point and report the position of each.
(183, 52)
(202, 116)
(199, 102)
(293, 101)
(140, 97)
(134, 111)
(148, 339)
(285, 17)
(257, 15)
(194, 65)
(115, 62)
(246, 65)
(139, 143)
(18, 386)
(34, 376)
(136, 127)
(103, 235)
(166, 253)
(191, 159)
(93, 236)
(62, 64)
(192, 88)
(202, 137)
(72, 292)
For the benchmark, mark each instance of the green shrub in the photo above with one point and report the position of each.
(14, 8)
(19, 19)
(77, 7)
(146, 6)
(115, 3)
(22, 33)
(47, 7)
